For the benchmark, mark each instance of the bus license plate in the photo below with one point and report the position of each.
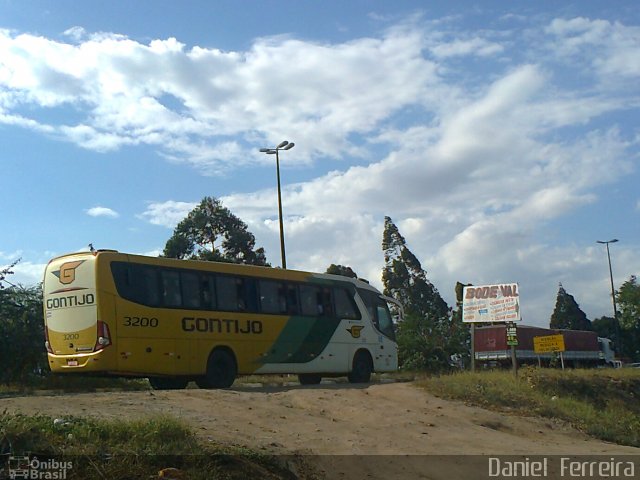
(72, 363)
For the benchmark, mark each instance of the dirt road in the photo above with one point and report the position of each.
(390, 421)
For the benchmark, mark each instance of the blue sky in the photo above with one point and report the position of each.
(501, 137)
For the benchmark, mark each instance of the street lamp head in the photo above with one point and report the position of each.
(282, 144)
(609, 241)
(264, 150)
(289, 146)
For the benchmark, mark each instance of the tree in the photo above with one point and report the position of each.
(341, 270)
(22, 353)
(211, 232)
(5, 272)
(604, 327)
(429, 334)
(628, 300)
(567, 313)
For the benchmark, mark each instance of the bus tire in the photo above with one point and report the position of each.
(362, 367)
(168, 383)
(221, 370)
(309, 378)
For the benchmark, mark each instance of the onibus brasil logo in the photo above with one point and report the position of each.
(25, 467)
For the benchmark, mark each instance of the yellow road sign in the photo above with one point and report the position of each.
(548, 343)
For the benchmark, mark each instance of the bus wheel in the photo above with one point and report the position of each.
(309, 379)
(221, 370)
(168, 383)
(361, 369)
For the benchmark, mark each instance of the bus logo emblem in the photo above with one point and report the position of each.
(67, 272)
(355, 330)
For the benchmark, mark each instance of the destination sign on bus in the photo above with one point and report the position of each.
(491, 303)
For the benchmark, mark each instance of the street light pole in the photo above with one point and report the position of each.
(285, 145)
(613, 293)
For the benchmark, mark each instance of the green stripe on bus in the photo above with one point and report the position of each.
(302, 340)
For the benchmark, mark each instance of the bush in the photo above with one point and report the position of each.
(22, 353)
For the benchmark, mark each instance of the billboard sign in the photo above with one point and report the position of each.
(491, 303)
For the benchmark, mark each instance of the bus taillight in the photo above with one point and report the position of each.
(104, 337)
(47, 343)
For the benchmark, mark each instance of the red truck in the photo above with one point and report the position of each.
(582, 348)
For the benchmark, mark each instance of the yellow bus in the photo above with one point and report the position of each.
(174, 321)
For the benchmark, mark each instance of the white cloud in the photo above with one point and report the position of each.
(469, 194)
(278, 86)
(10, 256)
(167, 214)
(474, 46)
(76, 33)
(611, 47)
(27, 273)
(102, 212)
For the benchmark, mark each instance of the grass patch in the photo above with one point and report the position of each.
(76, 383)
(130, 449)
(601, 403)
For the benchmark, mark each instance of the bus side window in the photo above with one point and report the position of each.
(309, 301)
(190, 290)
(370, 302)
(345, 306)
(272, 297)
(208, 287)
(326, 303)
(145, 284)
(292, 299)
(227, 293)
(136, 283)
(171, 294)
(237, 294)
(249, 293)
(122, 279)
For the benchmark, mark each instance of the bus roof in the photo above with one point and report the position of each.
(224, 267)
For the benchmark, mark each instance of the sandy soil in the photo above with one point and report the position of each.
(336, 422)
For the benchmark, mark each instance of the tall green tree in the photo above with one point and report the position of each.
(628, 301)
(429, 334)
(567, 313)
(211, 232)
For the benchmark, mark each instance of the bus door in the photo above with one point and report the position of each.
(385, 350)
